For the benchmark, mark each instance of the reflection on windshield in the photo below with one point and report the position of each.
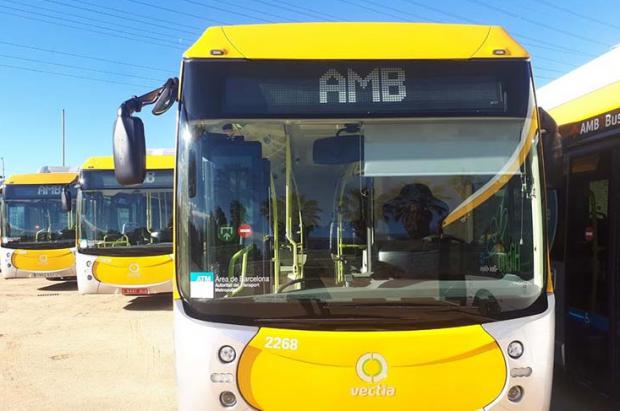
(360, 213)
(122, 219)
(37, 223)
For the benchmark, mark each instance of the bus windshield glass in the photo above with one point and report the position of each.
(413, 220)
(33, 218)
(125, 221)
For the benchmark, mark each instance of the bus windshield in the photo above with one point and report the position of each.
(36, 223)
(362, 213)
(125, 221)
(356, 190)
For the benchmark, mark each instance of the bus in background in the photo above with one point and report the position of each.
(359, 219)
(1, 201)
(586, 106)
(124, 241)
(38, 236)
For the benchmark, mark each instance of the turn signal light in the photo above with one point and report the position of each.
(222, 378)
(521, 372)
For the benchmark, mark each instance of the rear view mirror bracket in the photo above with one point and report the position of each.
(129, 140)
(163, 97)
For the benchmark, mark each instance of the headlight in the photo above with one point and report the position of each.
(515, 394)
(227, 354)
(515, 349)
(228, 399)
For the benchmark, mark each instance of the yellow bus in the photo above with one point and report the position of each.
(124, 241)
(586, 105)
(359, 219)
(38, 236)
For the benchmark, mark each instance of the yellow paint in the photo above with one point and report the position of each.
(42, 178)
(176, 295)
(153, 162)
(499, 39)
(500, 181)
(175, 288)
(43, 260)
(550, 285)
(589, 105)
(133, 271)
(427, 370)
(356, 41)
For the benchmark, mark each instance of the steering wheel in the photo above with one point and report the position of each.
(298, 281)
(434, 237)
(46, 235)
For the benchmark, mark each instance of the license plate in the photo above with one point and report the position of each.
(135, 291)
(45, 275)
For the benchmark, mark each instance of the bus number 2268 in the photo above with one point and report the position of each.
(278, 343)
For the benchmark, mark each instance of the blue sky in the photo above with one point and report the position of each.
(87, 56)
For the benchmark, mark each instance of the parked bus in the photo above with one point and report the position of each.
(38, 236)
(1, 224)
(359, 219)
(586, 105)
(125, 233)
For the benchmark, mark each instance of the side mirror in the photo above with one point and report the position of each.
(552, 149)
(129, 141)
(65, 200)
(552, 216)
(337, 150)
(129, 147)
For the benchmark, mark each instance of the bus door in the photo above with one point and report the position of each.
(591, 272)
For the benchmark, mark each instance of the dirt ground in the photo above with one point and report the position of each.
(64, 351)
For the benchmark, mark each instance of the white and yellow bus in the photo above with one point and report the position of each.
(38, 236)
(124, 241)
(359, 219)
(586, 104)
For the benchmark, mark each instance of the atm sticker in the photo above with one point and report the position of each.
(201, 284)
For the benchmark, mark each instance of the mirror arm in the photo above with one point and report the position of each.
(135, 104)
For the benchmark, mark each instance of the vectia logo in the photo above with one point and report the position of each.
(134, 270)
(372, 368)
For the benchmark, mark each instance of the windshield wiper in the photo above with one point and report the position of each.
(404, 302)
(411, 320)
(39, 245)
(313, 306)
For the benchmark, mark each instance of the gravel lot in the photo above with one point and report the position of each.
(64, 351)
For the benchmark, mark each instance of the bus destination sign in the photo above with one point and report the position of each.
(270, 89)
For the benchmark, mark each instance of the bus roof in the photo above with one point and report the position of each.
(153, 162)
(41, 178)
(356, 41)
(585, 92)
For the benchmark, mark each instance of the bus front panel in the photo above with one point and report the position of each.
(361, 235)
(125, 234)
(38, 237)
